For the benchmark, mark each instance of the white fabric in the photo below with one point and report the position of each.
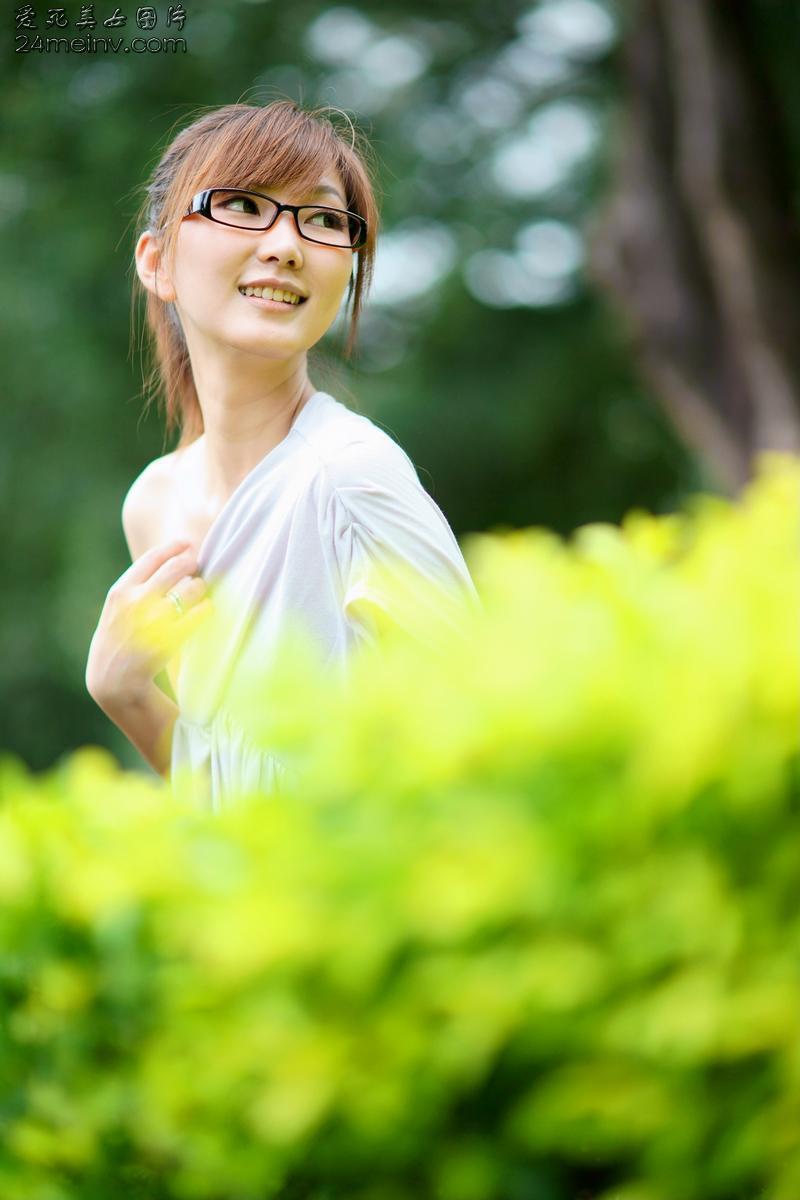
(297, 538)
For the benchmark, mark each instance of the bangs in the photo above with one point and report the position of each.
(257, 150)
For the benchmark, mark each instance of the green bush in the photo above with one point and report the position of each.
(526, 928)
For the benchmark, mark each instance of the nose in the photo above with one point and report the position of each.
(281, 241)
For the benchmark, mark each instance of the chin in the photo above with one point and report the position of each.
(266, 344)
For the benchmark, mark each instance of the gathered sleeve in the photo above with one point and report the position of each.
(399, 562)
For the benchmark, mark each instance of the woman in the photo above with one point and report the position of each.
(258, 218)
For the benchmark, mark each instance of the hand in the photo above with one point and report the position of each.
(140, 627)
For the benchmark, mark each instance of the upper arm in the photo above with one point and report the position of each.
(138, 509)
(395, 549)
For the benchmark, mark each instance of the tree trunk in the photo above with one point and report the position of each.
(698, 242)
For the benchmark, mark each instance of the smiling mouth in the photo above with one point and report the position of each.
(275, 295)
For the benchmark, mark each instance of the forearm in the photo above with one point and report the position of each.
(147, 723)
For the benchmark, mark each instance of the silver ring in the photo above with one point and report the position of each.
(176, 600)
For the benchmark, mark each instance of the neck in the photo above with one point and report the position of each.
(243, 419)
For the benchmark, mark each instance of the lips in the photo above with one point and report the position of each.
(282, 306)
(275, 286)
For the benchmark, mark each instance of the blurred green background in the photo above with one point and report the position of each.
(586, 289)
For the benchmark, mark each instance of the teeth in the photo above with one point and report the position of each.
(269, 293)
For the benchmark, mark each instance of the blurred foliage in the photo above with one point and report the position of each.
(526, 926)
(513, 415)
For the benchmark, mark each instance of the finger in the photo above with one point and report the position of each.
(141, 570)
(189, 590)
(149, 624)
(170, 572)
(192, 618)
(157, 632)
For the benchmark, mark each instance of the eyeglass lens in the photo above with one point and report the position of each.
(332, 226)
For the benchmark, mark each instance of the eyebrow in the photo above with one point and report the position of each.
(332, 191)
(322, 187)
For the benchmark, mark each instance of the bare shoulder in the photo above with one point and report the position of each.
(145, 502)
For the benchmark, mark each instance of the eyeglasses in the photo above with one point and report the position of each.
(254, 210)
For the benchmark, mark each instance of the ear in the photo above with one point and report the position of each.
(150, 267)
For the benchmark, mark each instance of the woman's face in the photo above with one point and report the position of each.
(213, 261)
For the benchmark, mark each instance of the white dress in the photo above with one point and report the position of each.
(296, 540)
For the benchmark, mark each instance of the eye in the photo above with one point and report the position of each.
(239, 198)
(327, 218)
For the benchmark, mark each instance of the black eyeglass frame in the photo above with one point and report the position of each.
(201, 203)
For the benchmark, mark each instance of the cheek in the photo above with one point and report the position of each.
(201, 264)
(336, 280)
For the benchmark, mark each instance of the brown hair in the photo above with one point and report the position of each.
(243, 144)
